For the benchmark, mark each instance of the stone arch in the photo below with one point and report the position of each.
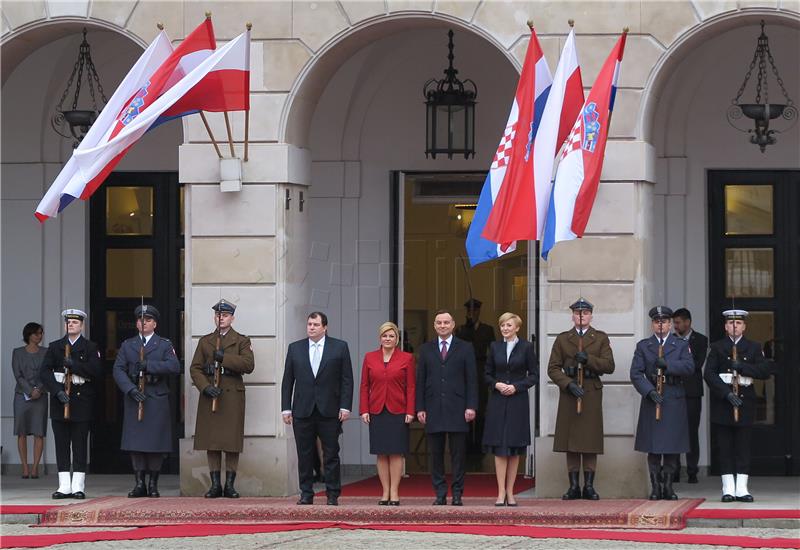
(308, 86)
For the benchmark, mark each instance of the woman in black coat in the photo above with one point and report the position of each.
(511, 370)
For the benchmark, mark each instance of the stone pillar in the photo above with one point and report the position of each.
(610, 267)
(249, 248)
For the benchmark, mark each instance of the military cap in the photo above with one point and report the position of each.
(68, 314)
(224, 306)
(660, 312)
(473, 303)
(582, 304)
(147, 311)
(735, 314)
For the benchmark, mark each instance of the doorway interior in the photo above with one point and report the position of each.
(433, 214)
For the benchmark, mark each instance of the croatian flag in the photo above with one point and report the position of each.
(581, 159)
(159, 68)
(233, 54)
(503, 214)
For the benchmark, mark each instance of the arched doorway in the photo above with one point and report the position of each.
(710, 176)
(59, 265)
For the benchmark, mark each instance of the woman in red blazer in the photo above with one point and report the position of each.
(387, 406)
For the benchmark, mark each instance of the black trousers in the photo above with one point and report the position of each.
(733, 444)
(71, 440)
(458, 456)
(663, 463)
(693, 407)
(306, 431)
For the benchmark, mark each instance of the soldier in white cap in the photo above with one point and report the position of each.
(733, 362)
(68, 369)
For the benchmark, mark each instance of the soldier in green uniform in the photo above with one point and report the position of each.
(222, 430)
(580, 435)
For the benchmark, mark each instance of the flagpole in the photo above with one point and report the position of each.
(230, 136)
(208, 129)
(247, 116)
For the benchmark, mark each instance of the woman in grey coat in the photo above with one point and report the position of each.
(30, 403)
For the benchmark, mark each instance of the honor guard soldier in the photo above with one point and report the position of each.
(659, 365)
(69, 367)
(578, 358)
(142, 369)
(732, 364)
(220, 360)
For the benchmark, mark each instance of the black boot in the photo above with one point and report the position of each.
(215, 491)
(574, 491)
(229, 491)
(655, 484)
(588, 487)
(667, 493)
(152, 487)
(139, 490)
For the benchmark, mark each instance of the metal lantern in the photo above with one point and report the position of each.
(450, 113)
(762, 111)
(78, 121)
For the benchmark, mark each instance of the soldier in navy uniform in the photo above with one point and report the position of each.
(151, 438)
(71, 434)
(732, 436)
(665, 439)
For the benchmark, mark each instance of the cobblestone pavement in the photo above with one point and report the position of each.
(378, 540)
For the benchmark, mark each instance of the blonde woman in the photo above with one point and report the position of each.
(387, 406)
(511, 370)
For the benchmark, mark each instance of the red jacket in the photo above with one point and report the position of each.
(391, 386)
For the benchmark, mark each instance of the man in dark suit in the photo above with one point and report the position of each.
(316, 397)
(447, 397)
(698, 345)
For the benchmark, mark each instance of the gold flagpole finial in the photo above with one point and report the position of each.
(208, 15)
(571, 23)
(249, 25)
(530, 24)
(160, 26)
(625, 30)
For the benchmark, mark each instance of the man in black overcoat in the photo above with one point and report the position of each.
(447, 398)
(79, 358)
(733, 406)
(316, 397)
(698, 345)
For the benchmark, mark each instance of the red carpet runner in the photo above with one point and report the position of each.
(607, 513)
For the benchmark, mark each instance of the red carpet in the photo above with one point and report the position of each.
(608, 513)
(25, 508)
(742, 513)
(39, 541)
(419, 485)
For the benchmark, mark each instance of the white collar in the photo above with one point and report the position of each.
(439, 341)
(71, 341)
(320, 342)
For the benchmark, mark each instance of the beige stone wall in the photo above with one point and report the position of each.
(262, 246)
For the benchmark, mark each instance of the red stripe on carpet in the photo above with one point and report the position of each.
(25, 508)
(39, 541)
(742, 513)
(419, 485)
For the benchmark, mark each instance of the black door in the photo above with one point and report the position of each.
(754, 250)
(136, 249)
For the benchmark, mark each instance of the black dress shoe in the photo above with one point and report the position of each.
(305, 501)
(727, 498)
(692, 478)
(440, 501)
(333, 501)
(394, 503)
(457, 501)
(58, 495)
(383, 503)
(745, 498)
(79, 495)
(512, 504)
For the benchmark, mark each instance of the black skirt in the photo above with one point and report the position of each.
(388, 434)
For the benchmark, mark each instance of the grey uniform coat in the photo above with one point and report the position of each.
(670, 435)
(580, 433)
(154, 433)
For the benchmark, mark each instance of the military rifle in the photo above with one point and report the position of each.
(735, 378)
(67, 378)
(142, 381)
(659, 370)
(579, 402)
(217, 366)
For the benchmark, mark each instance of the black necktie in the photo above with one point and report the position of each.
(144, 341)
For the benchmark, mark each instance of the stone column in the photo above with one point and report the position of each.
(610, 267)
(249, 248)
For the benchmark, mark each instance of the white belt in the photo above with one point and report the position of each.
(727, 377)
(76, 379)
